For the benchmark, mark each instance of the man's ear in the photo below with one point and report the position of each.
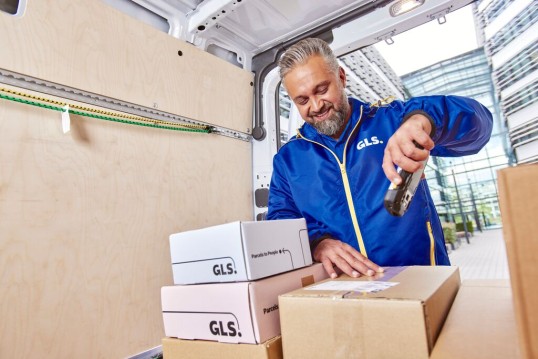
(342, 75)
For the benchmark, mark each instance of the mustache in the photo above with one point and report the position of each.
(326, 107)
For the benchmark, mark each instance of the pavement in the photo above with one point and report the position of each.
(484, 258)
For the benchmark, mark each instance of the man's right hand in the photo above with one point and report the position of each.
(402, 150)
(333, 252)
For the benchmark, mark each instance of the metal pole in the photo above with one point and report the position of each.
(476, 216)
(463, 219)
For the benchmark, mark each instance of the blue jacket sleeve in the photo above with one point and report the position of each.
(282, 205)
(462, 125)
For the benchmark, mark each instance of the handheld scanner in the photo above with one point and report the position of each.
(398, 197)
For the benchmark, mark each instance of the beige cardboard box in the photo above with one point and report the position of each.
(242, 312)
(398, 314)
(174, 348)
(518, 200)
(239, 251)
(481, 323)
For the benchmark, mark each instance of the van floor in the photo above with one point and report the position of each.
(484, 258)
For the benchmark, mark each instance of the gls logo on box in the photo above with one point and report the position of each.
(225, 329)
(197, 324)
(368, 142)
(221, 269)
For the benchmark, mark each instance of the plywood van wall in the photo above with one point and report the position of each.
(85, 216)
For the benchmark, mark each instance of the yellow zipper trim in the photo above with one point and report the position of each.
(383, 102)
(347, 188)
(432, 244)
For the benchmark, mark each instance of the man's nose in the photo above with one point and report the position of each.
(317, 104)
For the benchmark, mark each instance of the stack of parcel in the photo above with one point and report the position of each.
(227, 281)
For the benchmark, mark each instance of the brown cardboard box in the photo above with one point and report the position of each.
(481, 323)
(518, 200)
(356, 318)
(174, 348)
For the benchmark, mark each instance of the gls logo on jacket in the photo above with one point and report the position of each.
(368, 142)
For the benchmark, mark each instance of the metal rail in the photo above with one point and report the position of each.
(34, 84)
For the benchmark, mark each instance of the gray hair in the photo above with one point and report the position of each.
(303, 50)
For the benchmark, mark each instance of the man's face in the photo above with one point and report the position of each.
(319, 95)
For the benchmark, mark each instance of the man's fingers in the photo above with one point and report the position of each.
(401, 147)
(328, 265)
(332, 253)
(419, 128)
(405, 162)
(360, 263)
(368, 263)
(390, 171)
(345, 267)
(424, 140)
(360, 266)
(410, 150)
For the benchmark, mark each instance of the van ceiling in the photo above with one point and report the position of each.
(238, 30)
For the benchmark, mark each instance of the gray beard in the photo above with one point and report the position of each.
(333, 124)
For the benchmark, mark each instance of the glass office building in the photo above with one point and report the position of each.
(465, 185)
(510, 32)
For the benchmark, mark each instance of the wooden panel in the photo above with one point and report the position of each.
(92, 46)
(85, 220)
(85, 217)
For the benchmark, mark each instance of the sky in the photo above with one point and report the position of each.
(431, 42)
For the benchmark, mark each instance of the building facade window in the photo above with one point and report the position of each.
(516, 27)
(521, 99)
(495, 9)
(518, 67)
(525, 133)
(514, 70)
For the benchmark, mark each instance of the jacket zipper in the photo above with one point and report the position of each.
(345, 180)
(432, 244)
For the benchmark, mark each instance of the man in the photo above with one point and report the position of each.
(334, 172)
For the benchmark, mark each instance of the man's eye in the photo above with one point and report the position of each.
(302, 102)
(323, 90)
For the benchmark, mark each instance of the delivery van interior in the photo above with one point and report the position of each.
(136, 148)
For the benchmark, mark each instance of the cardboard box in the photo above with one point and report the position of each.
(518, 200)
(242, 312)
(174, 348)
(239, 251)
(397, 314)
(481, 323)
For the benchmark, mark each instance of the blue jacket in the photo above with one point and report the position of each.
(338, 186)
